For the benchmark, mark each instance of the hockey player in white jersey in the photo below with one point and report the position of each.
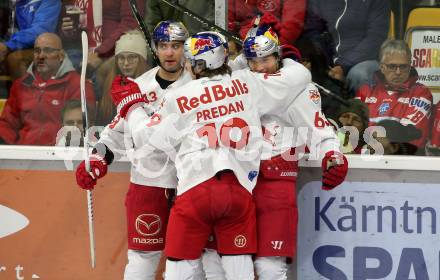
(275, 193)
(211, 127)
(153, 183)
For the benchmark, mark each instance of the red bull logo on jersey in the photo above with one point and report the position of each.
(200, 44)
(212, 94)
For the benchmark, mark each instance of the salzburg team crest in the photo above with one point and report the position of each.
(314, 96)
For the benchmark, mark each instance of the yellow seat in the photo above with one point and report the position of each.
(428, 17)
(2, 104)
(423, 37)
(422, 18)
(391, 32)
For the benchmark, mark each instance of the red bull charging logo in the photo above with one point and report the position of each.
(199, 44)
(270, 33)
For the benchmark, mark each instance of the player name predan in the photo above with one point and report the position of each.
(220, 111)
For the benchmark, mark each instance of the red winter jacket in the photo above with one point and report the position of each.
(32, 113)
(291, 13)
(117, 19)
(410, 104)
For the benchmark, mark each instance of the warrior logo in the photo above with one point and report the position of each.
(277, 244)
(240, 241)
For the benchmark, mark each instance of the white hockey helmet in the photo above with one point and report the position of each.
(222, 37)
(207, 48)
(261, 41)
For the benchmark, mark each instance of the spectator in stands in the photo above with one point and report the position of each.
(71, 115)
(395, 94)
(130, 61)
(289, 13)
(351, 33)
(355, 116)
(73, 130)
(104, 24)
(32, 112)
(315, 60)
(32, 19)
(397, 140)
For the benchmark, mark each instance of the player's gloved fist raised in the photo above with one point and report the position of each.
(98, 169)
(334, 170)
(125, 93)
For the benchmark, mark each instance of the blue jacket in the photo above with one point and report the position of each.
(357, 28)
(33, 17)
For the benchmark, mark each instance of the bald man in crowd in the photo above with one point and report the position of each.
(32, 112)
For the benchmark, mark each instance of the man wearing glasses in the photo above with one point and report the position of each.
(32, 114)
(396, 95)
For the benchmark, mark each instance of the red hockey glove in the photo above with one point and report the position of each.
(334, 170)
(125, 93)
(271, 20)
(289, 51)
(98, 168)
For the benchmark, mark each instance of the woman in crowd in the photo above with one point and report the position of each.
(130, 60)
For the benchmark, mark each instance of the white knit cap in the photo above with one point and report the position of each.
(132, 41)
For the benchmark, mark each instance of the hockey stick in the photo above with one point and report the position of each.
(143, 27)
(202, 20)
(85, 51)
(332, 94)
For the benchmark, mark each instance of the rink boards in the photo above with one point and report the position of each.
(382, 223)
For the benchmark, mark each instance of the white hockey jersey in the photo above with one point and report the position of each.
(213, 124)
(302, 125)
(155, 169)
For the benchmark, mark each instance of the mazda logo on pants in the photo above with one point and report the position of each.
(148, 224)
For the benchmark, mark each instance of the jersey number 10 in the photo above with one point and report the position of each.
(210, 131)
